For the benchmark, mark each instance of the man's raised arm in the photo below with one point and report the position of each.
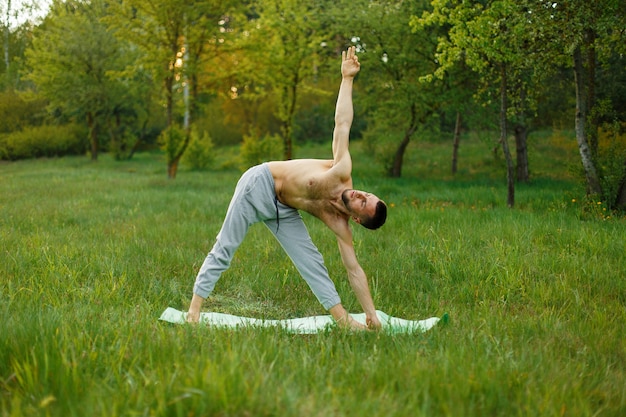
(344, 112)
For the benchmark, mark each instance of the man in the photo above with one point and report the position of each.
(274, 192)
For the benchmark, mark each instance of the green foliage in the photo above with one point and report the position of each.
(45, 140)
(381, 141)
(296, 55)
(255, 150)
(200, 153)
(18, 112)
(75, 63)
(611, 163)
(171, 140)
(393, 94)
(314, 122)
(121, 145)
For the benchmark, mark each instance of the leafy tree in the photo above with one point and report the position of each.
(70, 60)
(491, 38)
(459, 87)
(588, 37)
(16, 21)
(174, 37)
(395, 59)
(282, 47)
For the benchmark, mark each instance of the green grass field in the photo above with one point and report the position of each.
(92, 253)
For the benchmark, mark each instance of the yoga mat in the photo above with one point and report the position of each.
(304, 325)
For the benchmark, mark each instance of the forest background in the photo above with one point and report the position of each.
(191, 76)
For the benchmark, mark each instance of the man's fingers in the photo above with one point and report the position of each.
(349, 54)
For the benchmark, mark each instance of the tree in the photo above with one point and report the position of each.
(491, 38)
(7, 31)
(395, 59)
(590, 36)
(282, 56)
(17, 21)
(174, 37)
(70, 59)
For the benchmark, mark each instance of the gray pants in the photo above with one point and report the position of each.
(255, 201)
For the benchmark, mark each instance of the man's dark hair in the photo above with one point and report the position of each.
(378, 219)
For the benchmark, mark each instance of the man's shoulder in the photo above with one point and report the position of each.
(334, 219)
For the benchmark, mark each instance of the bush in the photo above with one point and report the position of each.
(121, 148)
(200, 153)
(170, 140)
(46, 140)
(383, 143)
(255, 151)
(17, 112)
(611, 162)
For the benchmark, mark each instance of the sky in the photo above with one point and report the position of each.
(23, 10)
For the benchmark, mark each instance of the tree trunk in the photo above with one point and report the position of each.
(172, 168)
(521, 135)
(591, 174)
(396, 167)
(93, 136)
(510, 174)
(455, 142)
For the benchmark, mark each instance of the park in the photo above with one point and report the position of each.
(506, 196)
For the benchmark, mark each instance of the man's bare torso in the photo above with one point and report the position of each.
(311, 185)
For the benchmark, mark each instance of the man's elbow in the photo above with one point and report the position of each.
(343, 123)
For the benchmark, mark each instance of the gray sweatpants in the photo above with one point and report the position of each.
(254, 200)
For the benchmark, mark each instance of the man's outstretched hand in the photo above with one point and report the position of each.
(193, 316)
(350, 65)
(373, 323)
(345, 320)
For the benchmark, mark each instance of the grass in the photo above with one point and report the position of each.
(92, 253)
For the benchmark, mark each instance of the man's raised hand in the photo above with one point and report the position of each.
(350, 65)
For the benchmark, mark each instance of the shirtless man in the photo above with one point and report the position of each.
(273, 193)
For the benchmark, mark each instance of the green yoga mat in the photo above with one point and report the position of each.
(304, 325)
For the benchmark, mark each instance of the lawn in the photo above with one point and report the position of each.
(92, 253)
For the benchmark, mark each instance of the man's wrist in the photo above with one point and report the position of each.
(196, 303)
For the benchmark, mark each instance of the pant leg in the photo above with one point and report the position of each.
(294, 237)
(252, 201)
(232, 233)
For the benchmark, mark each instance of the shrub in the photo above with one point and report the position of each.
(200, 153)
(18, 112)
(170, 140)
(122, 146)
(382, 143)
(611, 162)
(256, 150)
(46, 140)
